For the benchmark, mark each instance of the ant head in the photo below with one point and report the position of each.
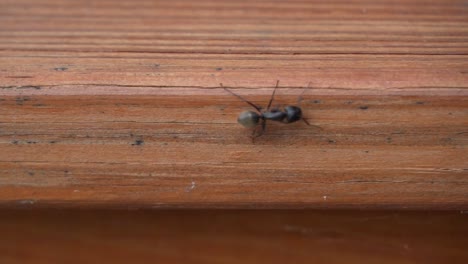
(293, 113)
(249, 119)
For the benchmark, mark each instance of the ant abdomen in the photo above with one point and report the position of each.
(248, 119)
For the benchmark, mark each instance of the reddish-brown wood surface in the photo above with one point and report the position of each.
(117, 103)
(233, 237)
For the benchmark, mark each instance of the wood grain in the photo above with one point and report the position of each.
(117, 103)
(61, 236)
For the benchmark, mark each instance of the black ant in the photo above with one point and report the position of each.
(251, 119)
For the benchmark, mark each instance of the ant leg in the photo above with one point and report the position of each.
(242, 98)
(263, 127)
(253, 135)
(259, 130)
(307, 122)
(299, 98)
(273, 95)
(299, 101)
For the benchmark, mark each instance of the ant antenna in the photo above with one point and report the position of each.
(299, 101)
(273, 95)
(242, 98)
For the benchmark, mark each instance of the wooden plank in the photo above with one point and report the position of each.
(58, 236)
(118, 104)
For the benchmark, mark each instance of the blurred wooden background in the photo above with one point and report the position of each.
(232, 236)
(116, 104)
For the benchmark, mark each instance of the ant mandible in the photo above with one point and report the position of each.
(251, 119)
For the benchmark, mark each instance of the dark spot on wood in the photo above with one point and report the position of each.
(156, 65)
(363, 107)
(19, 77)
(15, 142)
(316, 101)
(31, 142)
(420, 102)
(52, 142)
(30, 173)
(219, 69)
(38, 105)
(61, 68)
(446, 140)
(331, 141)
(21, 100)
(450, 113)
(366, 151)
(36, 87)
(389, 140)
(349, 102)
(138, 142)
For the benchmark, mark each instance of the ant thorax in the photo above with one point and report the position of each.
(274, 115)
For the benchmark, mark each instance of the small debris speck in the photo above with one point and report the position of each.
(191, 187)
(138, 142)
(61, 68)
(27, 202)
